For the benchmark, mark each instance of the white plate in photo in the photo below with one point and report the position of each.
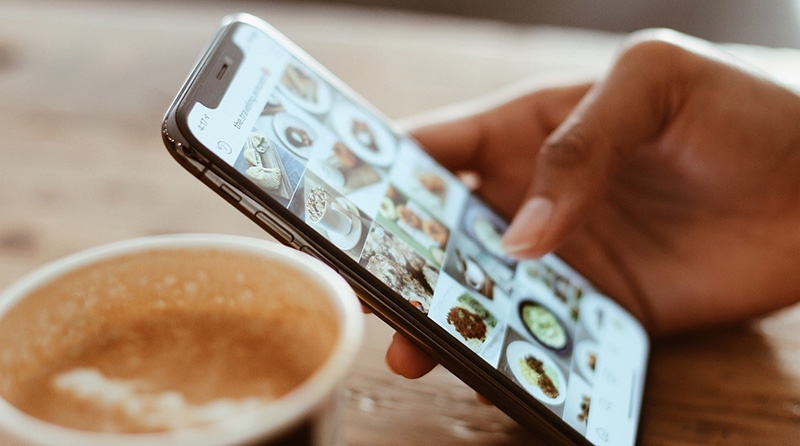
(555, 391)
(298, 135)
(329, 173)
(365, 135)
(465, 307)
(306, 89)
(350, 240)
(473, 274)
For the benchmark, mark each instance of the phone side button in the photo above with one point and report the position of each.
(313, 253)
(272, 224)
(230, 193)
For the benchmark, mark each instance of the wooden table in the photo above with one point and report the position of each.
(83, 86)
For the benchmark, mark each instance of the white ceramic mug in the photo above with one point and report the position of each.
(309, 414)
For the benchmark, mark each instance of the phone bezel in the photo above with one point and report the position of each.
(464, 363)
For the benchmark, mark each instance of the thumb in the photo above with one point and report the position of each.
(576, 162)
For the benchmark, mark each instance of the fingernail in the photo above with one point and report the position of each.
(528, 226)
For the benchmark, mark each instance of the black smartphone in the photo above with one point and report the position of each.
(288, 144)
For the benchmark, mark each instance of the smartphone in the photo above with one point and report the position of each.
(302, 155)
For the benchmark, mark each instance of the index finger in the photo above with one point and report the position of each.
(451, 135)
(460, 136)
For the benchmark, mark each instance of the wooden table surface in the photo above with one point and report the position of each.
(83, 86)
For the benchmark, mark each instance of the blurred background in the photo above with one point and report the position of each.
(84, 85)
(762, 22)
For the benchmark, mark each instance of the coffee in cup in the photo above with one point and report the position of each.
(196, 339)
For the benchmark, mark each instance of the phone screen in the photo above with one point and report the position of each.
(335, 164)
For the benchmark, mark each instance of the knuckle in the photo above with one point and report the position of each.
(662, 63)
(661, 50)
(663, 53)
(569, 150)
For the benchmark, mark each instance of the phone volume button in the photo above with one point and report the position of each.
(230, 192)
(275, 226)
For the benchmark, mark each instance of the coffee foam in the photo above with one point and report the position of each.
(214, 331)
(153, 411)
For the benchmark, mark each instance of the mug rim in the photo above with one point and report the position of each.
(262, 423)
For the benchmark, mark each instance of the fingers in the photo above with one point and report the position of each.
(452, 141)
(483, 399)
(405, 359)
(365, 309)
(574, 166)
(463, 136)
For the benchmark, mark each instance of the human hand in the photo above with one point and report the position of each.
(672, 184)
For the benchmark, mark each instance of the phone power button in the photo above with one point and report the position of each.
(280, 232)
(230, 193)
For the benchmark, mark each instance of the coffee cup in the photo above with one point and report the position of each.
(327, 213)
(178, 339)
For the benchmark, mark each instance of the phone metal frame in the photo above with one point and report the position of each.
(290, 230)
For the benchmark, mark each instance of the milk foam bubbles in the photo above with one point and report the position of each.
(153, 410)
